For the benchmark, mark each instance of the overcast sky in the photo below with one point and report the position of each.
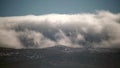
(40, 7)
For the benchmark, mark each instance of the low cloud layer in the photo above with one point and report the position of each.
(89, 30)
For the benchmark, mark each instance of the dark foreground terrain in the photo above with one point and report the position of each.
(59, 57)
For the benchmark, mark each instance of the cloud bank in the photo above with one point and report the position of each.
(86, 30)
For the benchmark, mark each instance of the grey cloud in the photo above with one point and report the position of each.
(8, 38)
(94, 30)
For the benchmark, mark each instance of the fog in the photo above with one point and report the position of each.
(85, 30)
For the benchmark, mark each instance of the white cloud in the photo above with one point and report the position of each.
(9, 39)
(97, 30)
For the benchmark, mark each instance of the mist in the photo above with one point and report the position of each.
(85, 30)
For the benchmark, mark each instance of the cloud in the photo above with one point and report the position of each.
(94, 30)
(9, 39)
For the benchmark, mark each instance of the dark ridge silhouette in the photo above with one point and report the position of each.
(59, 57)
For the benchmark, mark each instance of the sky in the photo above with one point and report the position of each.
(41, 7)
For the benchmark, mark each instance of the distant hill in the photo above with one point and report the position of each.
(59, 57)
(65, 49)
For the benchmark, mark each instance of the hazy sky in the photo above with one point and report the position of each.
(38, 7)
